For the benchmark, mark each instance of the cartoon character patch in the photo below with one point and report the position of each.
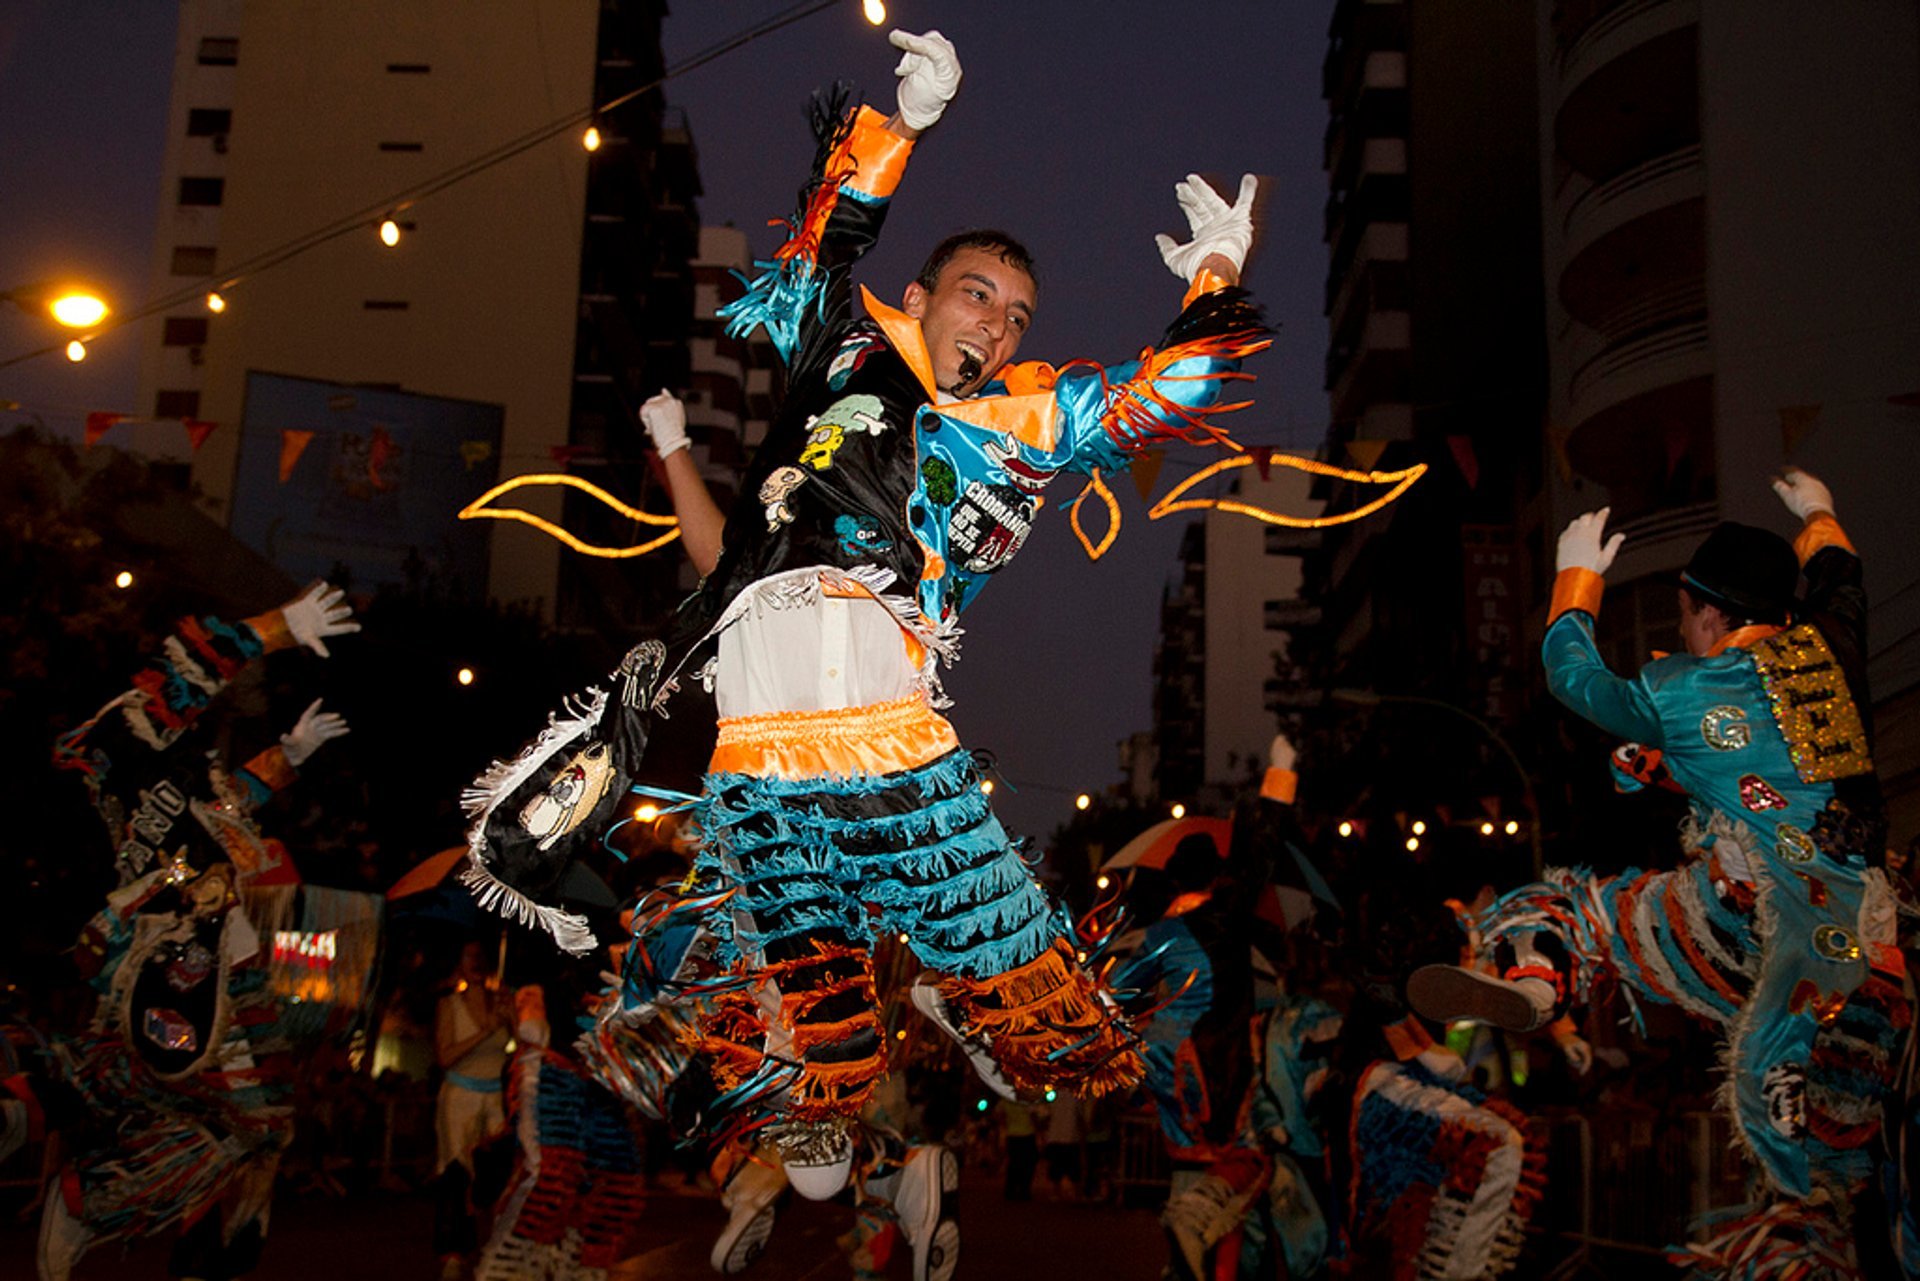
(860, 535)
(1022, 474)
(571, 797)
(853, 353)
(988, 526)
(828, 430)
(775, 490)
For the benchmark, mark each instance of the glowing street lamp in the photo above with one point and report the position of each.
(1346, 828)
(123, 580)
(216, 304)
(1513, 827)
(464, 676)
(986, 786)
(1486, 829)
(591, 139)
(875, 10)
(1179, 810)
(1419, 827)
(389, 232)
(1082, 801)
(78, 309)
(76, 351)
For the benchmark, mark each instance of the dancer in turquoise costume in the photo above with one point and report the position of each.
(1780, 925)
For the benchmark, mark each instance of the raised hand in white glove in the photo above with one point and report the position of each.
(665, 418)
(1803, 493)
(1280, 753)
(319, 612)
(929, 74)
(1580, 546)
(312, 729)
(1217, 227)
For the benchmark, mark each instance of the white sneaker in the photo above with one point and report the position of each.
(927, 999)
(1445, 993)
(751, 1198)
(924, 1207)
(817, 1156)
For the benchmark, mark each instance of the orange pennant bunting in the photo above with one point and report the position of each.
(1557, 438)
(292, 445)
(1796, 423)
(1145, 467)
(197, 432)
(99, 424)
(1366, 452)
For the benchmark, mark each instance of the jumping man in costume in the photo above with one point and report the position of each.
(839, 803)
(1780, 926)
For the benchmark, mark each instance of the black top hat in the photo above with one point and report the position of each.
(1750, 573)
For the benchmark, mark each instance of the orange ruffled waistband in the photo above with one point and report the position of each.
(879, 738)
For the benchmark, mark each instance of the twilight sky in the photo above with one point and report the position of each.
(1074, 122)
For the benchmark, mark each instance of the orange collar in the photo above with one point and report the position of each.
(1030, 418)
(1738, 638)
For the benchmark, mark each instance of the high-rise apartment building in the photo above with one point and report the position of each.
(548, 290)
(1731, 190)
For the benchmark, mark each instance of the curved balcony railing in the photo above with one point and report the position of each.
(1636, 356)
(1678, 304)
(1592, 212)
(1612, 29)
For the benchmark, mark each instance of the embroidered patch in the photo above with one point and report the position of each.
(775, 490)
(189, 967)
(1757, 795)
(1726, 729)
(939, 480)
(1812, 705)
(859, 535)
(1836, 943)
(828, 430)
(988, 526)
(1793, 845)
(846, 362)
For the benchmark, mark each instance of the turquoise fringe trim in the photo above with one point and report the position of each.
(777, 300)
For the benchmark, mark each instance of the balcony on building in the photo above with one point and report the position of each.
(1629, 82)
(1359, 28)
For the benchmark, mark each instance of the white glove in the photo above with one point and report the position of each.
(1578, 1054)
(665, 418)
(318, 612)
(1217, 227)
(929, 74)
(1580, 546)
(1803, 494)
(312, 729)
(1280, 753)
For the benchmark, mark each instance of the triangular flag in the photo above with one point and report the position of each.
(475, 452)
(1675, 439)
(292, 445)
(1146, 470)
(1262, 456)
(197, 432)
(1557, 438)
(1366, 452)
(98, 424)
(1465, 459)
(1796, 421)
(565, 454)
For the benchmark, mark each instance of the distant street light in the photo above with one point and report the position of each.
(590, 139)
(1179, 810)
(216, 304)
(1486, 829)
(76, 351)
(986, 785)
(74, 308)
(1081, 801)
(646, 812)
(1373, 698)
(876, 11)
(1419, 827)
(123, 580)
(389, 232)
(1346, 828)
(464, 676)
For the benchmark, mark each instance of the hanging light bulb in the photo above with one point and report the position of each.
(1346, 829)
(76, 351)
(1513, 827)
(1413, 843)
(590, 139)
(123, 580)
(1419, 827)
(647, 812)
(389, 232)
(875, 10)
(1179, 810)
(986, 786)
(1081, 801)
(464, 676)
(1486, 829)
(216, 304)
(1102, 881)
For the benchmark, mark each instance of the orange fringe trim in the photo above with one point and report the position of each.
(1033, 1010)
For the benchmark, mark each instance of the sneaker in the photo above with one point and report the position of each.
(751, 1198)
(924, 1206)
(1446, 993)
(927, 999)
(817, 1156)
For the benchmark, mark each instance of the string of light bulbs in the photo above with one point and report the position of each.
(381, 214)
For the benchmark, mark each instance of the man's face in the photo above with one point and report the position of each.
(973, 318)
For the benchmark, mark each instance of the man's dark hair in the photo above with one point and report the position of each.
(997, 243)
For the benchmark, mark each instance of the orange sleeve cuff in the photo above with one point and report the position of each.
(271, 628)
(1563, 1029)
(1408, 1038)
(272, 768)
(1576, 589)
(1203, 284)
(1280, 785)
(1821, 531)
(879, 155)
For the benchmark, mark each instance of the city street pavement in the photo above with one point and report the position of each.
(375, 1237)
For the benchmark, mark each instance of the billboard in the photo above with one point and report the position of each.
(368, 478)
